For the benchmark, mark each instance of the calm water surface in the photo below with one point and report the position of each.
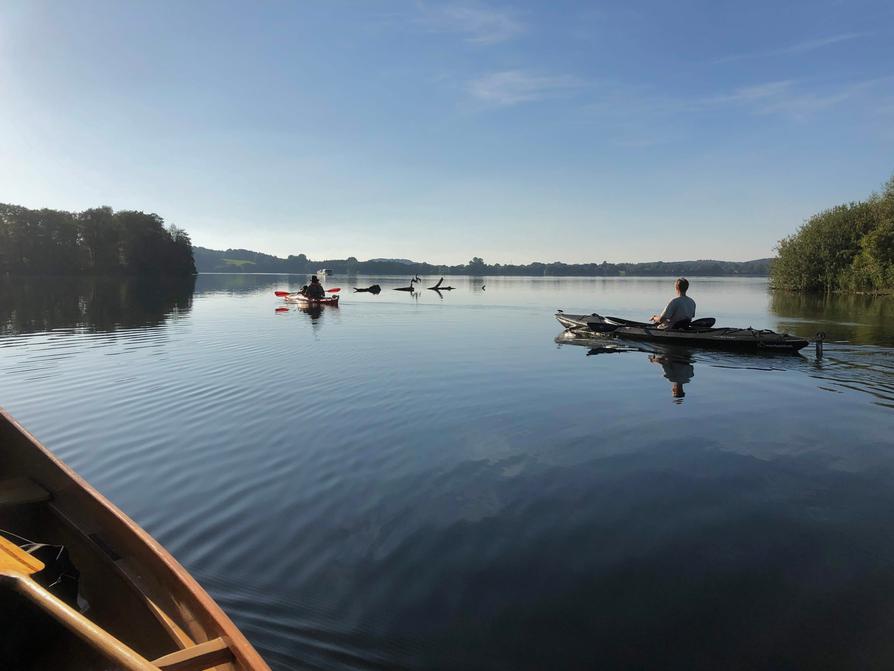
(425, 482)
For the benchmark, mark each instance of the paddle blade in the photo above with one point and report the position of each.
(282, 309)
(281, 293)
(333, 291)
(14, 558)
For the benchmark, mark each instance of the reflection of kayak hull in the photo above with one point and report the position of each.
(304, 300)
(723, 338)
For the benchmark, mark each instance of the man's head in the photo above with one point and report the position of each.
(314, 280)
(682, 286)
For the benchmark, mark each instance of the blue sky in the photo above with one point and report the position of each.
(574, 131)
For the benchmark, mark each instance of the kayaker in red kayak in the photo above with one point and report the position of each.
(315, 290)
(680, 309)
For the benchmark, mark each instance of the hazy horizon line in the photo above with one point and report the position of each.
(465, 263)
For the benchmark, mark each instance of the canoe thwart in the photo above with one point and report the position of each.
(198, 657)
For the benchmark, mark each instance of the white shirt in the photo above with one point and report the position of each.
(681, 307)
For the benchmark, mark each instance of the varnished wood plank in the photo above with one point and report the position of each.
(197, 658)
(13, 558)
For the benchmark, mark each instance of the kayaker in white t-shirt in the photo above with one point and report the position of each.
(680, 308)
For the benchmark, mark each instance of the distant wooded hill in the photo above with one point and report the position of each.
(245, 261)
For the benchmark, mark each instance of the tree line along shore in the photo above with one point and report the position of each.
(847, 248)
(98, 241)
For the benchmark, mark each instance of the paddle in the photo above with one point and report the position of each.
(281, 294)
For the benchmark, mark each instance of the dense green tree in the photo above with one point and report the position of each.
(97, 242)
(100, 238)
(848, 247)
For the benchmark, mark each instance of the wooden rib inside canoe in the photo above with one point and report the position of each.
(143, 610)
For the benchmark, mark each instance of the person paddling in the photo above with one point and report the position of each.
(315, 289)
(680, 310)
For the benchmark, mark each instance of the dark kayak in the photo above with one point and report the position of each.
(700, 333)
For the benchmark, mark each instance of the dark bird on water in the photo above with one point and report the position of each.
(438, 286)
(374, 289)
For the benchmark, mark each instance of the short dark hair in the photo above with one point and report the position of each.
(683, 284)
(313, 278)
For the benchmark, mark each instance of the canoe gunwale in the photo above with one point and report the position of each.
(75, 501)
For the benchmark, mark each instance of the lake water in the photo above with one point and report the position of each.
(434, 482)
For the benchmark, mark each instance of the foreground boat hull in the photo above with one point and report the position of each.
(139, 596)
(746, 340)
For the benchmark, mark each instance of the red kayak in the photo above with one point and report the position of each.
(301, 299)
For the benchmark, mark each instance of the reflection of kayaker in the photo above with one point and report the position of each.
(677, 369)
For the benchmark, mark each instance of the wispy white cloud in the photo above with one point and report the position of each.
(511, 87)
(793, 49)
(640, 117)
(479, 23)
(788, 98)
(754, 94)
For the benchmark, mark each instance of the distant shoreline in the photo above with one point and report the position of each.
(243, 260)
(582, 277)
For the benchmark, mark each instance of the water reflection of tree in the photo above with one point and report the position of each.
(99, 304)
(857, 318)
